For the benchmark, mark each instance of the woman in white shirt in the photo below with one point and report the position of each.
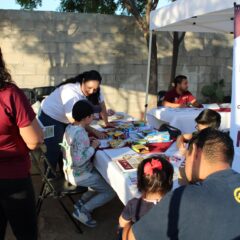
(56, 109)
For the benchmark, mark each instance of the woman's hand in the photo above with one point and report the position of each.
(100, 135)
(110, 125)
(110, 112)
(180, 142)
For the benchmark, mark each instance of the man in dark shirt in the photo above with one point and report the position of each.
(179, 96)
(209, 208)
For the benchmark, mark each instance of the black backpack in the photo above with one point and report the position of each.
(173, 132)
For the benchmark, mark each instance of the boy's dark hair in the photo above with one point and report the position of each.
(160, 181)
(209, 117)
(81, 110)
(216, 145)
(178, 79)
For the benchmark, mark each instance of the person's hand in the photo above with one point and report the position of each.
(110, 125)
(100, 135)
(183, 105)
(92, 138)
(110, 112)
(95, 143)
(180, 142)
(181, 145)
(182, 178)
(183, 151)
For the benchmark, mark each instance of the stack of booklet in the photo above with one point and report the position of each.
(126, 159)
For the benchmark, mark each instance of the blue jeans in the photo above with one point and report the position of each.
(54, 153)
(101, 194)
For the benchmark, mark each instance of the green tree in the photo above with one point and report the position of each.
(29, 4)
(89, 6)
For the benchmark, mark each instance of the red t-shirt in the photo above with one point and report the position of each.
(173, 97)
(15, 113)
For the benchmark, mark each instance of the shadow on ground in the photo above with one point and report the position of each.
(55, 224)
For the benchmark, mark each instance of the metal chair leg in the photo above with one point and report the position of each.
(72, 200)
(40, 198)
(70, 216)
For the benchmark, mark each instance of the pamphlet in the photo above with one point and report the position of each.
(117, 153)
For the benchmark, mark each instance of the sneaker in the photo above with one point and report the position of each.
(78, 204)
(82, 215)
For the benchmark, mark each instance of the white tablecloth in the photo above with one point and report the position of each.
(119, 180)
(182, 118)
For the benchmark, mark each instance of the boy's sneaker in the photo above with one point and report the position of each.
(82, 215)
(78, 204)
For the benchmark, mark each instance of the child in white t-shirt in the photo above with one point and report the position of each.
(78, 168)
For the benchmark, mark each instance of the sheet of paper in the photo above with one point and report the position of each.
(118, 152)
(48, 132)
(103, 143)
(211, 106)
(98, 127)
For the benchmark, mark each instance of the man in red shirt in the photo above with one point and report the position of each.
(179, 96)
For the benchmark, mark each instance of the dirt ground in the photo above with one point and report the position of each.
(55, 224)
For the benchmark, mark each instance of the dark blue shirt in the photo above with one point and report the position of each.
(205, 211)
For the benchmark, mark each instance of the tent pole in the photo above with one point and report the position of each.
(148, 73)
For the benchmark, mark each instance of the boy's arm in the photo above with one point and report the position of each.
(83, 151)
(95, 132)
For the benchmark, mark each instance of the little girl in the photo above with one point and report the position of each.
(155, 179)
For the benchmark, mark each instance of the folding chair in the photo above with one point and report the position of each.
(57, 187)
(42, 92)
(161, 95)
(30, 94)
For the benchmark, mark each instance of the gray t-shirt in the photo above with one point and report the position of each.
(135, 209)
(208, 210)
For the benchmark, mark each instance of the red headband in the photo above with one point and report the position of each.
(150, 166)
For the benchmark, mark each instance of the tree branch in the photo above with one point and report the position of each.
(151, 5)
(182, 37)
(155, 3)
(131, 7)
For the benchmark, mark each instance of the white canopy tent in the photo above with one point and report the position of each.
(198, 16)
(195, 16)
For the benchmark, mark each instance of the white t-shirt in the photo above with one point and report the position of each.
(58, 105)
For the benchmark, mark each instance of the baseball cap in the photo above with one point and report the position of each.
(84, 108)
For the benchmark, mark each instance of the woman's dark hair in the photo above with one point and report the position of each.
(209, 117)
(178, 79)
(95, 97)
(159, 181)
(5, 77)
(85, 77)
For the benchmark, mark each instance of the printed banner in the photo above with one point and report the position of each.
(235, 105)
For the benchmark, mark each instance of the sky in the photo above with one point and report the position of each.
(49, 5)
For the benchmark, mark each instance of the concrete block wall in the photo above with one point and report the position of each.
(44, 48)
